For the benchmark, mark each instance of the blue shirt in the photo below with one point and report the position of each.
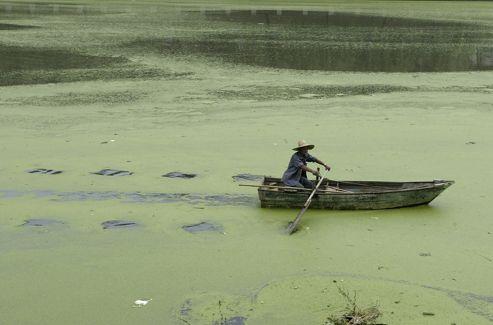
(293, 174)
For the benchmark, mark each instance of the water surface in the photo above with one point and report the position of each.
(336, 41)
(220, 92)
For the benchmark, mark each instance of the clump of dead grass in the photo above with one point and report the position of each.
(354, 314)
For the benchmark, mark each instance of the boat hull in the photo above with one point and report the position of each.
(362, 198)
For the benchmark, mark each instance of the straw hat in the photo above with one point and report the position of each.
(303, 144)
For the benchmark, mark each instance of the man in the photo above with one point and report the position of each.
(295, 175)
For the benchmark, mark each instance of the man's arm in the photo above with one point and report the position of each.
(318, 161)
(308, 169)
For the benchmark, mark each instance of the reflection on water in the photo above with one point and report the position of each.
(334, 41)
(16, 58)
(320, 56)
(321, 18)
(15, 26)
(39, 8)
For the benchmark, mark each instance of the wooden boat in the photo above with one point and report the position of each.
(351, 195)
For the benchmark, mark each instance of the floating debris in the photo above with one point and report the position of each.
(118, 224)
(179, 175)
(311, 95)
(424, 254)
(113, 172)
(202, 227)
(471, 142)
(141, 302)
(44, 171)
(427, 313)
(41, 222)
(248, 177)
(353, 314)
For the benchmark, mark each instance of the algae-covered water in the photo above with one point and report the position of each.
(99, 101)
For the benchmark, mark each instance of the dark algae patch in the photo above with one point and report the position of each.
(321, 18)
(179, 175)
(15, 58)
(15, 27)
(73, 75)
(317, 55)
(236, 320)
(111, 224)
(31, 65)
(203, 227)
(186, 308)
(44, 171)
(302, 92)
(334, 41)
(41, 222)
(248, 177)
(113, 172)
(73, 98)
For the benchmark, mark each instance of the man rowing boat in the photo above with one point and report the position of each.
(295, 175)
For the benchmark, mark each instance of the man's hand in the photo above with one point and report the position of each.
(327, 167)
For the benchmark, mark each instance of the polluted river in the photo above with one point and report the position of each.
(126, 129)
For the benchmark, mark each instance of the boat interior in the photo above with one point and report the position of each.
(334, 186)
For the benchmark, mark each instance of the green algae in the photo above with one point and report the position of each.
(261, 93)
(76, 75)
(136, 197)
(15, 58)
(317, 55)
(328, 40)
(77, 99)
(251, 272)
(22, 65)
(316, 298)
(323, 18)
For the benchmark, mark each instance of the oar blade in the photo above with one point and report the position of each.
(291, 227)
(294, 224)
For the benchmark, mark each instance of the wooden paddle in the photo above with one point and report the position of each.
(292, 226)
(293, 188)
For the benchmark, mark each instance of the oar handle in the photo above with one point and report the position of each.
(316, 188)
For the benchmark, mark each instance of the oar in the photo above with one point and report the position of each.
(297, 188)
(292, 226)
